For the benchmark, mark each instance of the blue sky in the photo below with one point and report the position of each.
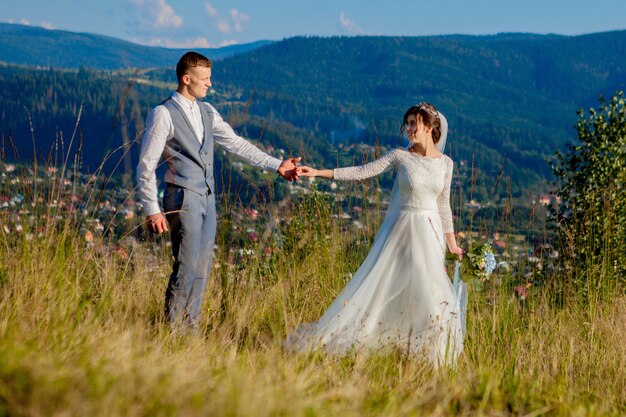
(214, 23)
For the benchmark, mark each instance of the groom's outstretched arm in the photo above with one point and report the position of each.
(224, 135)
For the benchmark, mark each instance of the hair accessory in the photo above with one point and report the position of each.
(424, 106)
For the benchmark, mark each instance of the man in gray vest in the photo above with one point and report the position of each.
(182, 131)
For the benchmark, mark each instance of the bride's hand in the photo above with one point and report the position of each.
(306, 171)
(457, 251)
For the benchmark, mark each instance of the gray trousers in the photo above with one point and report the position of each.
(192, 221)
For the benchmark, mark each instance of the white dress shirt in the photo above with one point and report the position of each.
(160, 129)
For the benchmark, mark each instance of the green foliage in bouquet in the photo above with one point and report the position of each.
(479, 262)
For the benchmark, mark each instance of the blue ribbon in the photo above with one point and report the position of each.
(457, 277)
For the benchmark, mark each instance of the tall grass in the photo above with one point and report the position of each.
(81, 332)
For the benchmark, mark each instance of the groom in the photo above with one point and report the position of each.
(182, 130)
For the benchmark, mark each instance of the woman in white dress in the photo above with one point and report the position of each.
(401, 295)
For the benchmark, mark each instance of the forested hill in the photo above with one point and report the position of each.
(512, 96)
(507, 97)
(36, 46)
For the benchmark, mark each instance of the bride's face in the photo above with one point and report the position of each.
(416, 131)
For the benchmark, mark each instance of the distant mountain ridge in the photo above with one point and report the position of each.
(36, 46)
(510, 99)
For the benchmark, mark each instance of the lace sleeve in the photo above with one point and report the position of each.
(362, 172)
(443, 201)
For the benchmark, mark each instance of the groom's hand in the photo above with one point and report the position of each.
(157, 223)
(288, 169)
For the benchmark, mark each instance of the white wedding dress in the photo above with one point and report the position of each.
(401, 296)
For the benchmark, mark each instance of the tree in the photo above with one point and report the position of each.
(590, 218)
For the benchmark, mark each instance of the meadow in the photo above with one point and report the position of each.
(82, 332)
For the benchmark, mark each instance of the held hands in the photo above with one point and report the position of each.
(307, 171)
(289, 170)
(157, 223)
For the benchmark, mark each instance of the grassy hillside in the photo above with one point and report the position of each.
(82, 284)
(81, 329)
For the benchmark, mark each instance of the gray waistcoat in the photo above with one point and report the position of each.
(189, 162)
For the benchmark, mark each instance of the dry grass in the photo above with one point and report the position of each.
(80, 334)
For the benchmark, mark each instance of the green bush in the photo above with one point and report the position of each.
(590, 216)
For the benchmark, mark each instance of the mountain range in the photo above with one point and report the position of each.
(36, 46)
(510, 99)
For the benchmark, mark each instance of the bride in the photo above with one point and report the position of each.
(401, 295)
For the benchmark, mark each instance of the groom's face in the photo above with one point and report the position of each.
(198, 81)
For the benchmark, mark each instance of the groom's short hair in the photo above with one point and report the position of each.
(189, 60)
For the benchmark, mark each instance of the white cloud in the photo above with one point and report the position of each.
(165, 15)
(24, 22)
(210, 10)
(157, 14)
(47, 25)
(198, 42)
(348, 24)
(238, 19)
(229, 43)
(223, 27)
(234, 22)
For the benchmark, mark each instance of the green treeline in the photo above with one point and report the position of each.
(510, 100)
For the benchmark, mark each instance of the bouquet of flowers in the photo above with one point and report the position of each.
(480, 261)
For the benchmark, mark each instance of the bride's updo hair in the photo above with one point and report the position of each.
(427, 114)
